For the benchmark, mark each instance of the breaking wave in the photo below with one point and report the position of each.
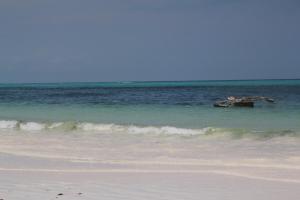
(100, 128)
(86, 127)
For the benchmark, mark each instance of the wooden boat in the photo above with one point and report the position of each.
(241, 102)
(244, 104)
(222, 104)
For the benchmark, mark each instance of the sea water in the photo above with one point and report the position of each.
(166, 107)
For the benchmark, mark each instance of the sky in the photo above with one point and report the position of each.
(148, 40)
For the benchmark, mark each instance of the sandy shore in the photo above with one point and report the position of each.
(54, 179)
(111, 185)
(63, 166)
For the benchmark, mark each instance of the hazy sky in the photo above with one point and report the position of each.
(119, 40)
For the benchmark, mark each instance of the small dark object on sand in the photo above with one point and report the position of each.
(60, 194)
(79, 193)
(242, 101)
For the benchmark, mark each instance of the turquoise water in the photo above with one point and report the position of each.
(176, 104)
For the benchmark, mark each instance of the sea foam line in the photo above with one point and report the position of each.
(99, 128)
(87, 127)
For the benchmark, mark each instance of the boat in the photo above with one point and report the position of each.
(232, 101)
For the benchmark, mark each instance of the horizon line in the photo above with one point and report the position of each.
(149, 81)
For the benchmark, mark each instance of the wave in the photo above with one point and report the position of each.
(86, 127)
(100, 128)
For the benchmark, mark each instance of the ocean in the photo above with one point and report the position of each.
(183, 108)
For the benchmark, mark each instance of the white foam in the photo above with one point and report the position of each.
(131, 129)
(96, 127)
(143, 130)
(55, 125)
(168, 130)
(181, 131)
(106, 128)
(32, 126)
(4, 124)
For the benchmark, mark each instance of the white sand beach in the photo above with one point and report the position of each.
(140, 185)
(73, 166)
